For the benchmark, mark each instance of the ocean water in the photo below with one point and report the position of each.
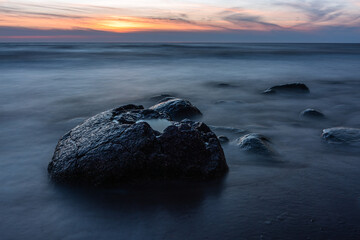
(314, 193)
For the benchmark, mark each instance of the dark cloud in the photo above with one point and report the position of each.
(175, 19)
(316, 11)
(19, 12)
(57, 11)
(235, 16)
(249, 20)
(53, 7)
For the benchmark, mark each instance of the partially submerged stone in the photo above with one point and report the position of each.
(120, 145)
(288, 88)
(224, 85)
(312, 114)
(223, 139)
(256, 144)
(159, 97)
(227, 129)
(342, 135)
(165, 99)
(229, 102)
(178, 109)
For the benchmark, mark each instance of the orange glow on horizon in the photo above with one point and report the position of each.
(112, 23)
(184, 17)
(133, 24)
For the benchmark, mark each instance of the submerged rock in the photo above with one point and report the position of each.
(342, 135)
(160, 97)
(288, 88)
(223, 139)
(221, 85)
(312, 113)
(229, 102)
(119, 145)
(224, 85)
(228, 129)
(256, 144)
(165, 99)
(178, 109)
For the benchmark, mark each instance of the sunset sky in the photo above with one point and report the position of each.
(179, 20)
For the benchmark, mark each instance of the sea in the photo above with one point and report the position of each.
(312, 192)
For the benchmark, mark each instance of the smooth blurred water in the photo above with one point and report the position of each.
(46, 89)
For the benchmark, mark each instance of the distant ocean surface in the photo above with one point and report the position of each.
(46, 89)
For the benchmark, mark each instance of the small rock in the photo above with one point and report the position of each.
(221, 85)
(342, 135)
(223, 139)
(228, 102)
(159, 97)
(224, 85)
(255, 143)
(228, 129)
(312, 113)
(288, 88)
(178, 109)
(165, 99)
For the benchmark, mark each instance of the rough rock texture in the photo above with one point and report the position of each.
(114, 146)
(312, 113)
(288, 88)
(255, 143)
(178, 109)
(342, 135)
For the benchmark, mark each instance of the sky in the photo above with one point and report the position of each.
(180, 20)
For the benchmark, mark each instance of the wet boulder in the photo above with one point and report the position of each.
(256, 144)
(312, 114)
(288, 88)
(342, 135)
(178, 109)
(191, 149)
(121, 145)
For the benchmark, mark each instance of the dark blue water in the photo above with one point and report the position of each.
(46, 89)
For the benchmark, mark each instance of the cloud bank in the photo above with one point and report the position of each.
(258, 20)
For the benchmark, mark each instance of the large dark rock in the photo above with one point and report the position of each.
(256, 144)
(312, 114)
(178, 109)
(342, 135)
(119, 145)
(288, 88)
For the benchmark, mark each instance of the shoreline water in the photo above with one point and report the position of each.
(47, 91)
